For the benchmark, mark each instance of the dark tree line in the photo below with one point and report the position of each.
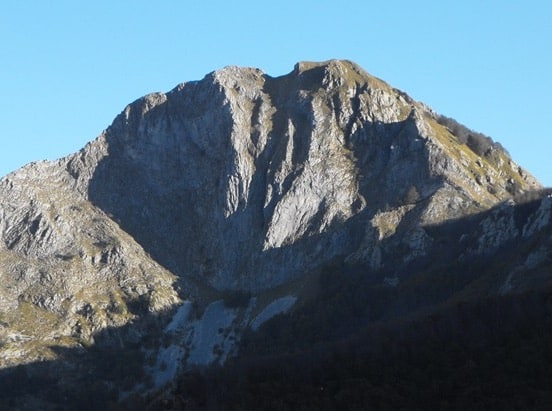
(479, 143)
(490, 354)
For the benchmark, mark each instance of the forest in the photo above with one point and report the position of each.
(491, 354)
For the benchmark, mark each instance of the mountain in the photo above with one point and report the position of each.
(202, 213)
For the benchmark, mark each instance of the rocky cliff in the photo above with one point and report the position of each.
(232, 178)
(240, 182)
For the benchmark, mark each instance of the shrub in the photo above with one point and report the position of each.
(479, 143)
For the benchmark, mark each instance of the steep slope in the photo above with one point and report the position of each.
(67, 270)
(207, 210)
(246, 181)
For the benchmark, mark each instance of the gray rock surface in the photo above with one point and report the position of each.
(247, 181)
(239, 181)
(67, 270)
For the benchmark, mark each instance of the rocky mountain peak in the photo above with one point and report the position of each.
(237, 182)
(240, 161)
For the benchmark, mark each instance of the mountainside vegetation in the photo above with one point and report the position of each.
(478, 142)
(490, 354)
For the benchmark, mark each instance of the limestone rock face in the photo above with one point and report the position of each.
(247, 181)
(239, 181)
(67, 270)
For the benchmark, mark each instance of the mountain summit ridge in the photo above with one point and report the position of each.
(285, 156)
(246, 183)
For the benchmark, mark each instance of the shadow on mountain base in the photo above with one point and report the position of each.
(441, 339)
(490, 354)
(86, 378)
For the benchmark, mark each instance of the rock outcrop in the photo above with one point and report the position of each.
(67, 270)
(240, 182)
(247, 181)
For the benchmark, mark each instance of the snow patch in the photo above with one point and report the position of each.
(167, 364)
(210, 338)
(278, 306)
(169, 358)
(248, 311)
(180, 318)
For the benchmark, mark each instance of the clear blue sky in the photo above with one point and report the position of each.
(69, 67)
